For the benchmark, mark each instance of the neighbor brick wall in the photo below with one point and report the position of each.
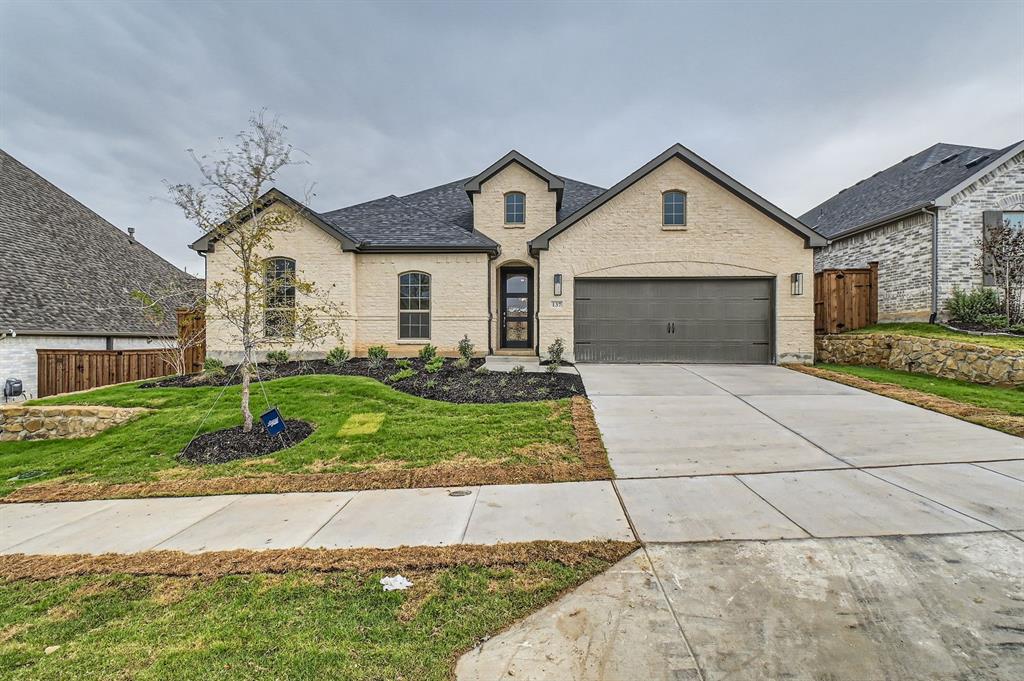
(903, 251)
(960, 225)
(724, 236)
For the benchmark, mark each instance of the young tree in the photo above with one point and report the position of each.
(263, 302)
(1002, 255)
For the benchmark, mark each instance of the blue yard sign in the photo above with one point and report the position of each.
(272, 421)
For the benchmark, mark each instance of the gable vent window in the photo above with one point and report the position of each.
(515, 208)
(279, 296)
(414, 306)
(673, 208)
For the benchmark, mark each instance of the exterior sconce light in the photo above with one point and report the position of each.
(558, 284)
(797, 283)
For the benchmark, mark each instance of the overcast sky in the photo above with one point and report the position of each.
(796, 100)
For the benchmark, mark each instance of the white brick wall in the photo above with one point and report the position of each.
(724, 236)
(18, 354)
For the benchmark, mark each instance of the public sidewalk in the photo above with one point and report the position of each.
(572, 511)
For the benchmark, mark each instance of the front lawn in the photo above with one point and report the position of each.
(298, 625)
(1009, 400)
(937, 331)
(360, 425)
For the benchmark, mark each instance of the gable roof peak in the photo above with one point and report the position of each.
(555, 183)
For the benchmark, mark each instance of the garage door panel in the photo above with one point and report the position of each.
(673, 320)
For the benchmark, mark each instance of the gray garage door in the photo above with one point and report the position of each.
(674, 320)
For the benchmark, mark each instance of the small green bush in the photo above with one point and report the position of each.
(969, 307)
(517, 370)
(401, 375)
(337, 356)
(213, 367)
(466, 348)
(462, 363)
(428, 352)
(277, 356)
(552, 368)
(376, 354)
(482, 369)
(556, 350)
(403, 364)
(430, 383)
(434, 365)
(996, 321)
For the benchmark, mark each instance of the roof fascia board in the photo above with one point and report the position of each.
(272, 196)
(946, 200)
(426, 248)
(555, 183)
(811, 238)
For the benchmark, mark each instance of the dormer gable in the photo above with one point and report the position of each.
(555, 183)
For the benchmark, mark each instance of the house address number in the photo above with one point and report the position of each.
(556, 303)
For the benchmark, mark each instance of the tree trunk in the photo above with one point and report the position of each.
(246, 413)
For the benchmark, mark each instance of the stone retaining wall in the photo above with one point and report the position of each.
(19, 422)
(943, 358)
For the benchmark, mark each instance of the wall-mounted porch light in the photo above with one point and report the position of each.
(558, 284)
(797, 283)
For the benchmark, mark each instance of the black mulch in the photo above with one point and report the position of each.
(1003, 331)
(450, 384)
(231, 443)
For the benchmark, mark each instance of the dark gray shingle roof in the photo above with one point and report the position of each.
(912, 183)
(67, 270)
(439, 216)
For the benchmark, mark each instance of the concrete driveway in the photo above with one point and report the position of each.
(793, 528)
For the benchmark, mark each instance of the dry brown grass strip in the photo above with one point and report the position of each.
(277, 561)
(593, 465)
(990, 418)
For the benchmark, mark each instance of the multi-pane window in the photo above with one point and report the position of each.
(279, 287)
(674, 208)
(414, 305)
(515, 208)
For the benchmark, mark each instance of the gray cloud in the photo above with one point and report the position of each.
(797, 100)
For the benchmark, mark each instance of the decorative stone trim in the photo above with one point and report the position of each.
(19, 422)
(934, 356)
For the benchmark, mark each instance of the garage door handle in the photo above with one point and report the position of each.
(670, 327)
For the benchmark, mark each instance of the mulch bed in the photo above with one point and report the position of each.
(450, 384)
(593, 465)
(993, 330)
(990, 418)
(230, 444)
(220, 563)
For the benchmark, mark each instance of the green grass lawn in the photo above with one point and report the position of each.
(294, 626)
(1009, 400)
(937, 331)
(387, 428)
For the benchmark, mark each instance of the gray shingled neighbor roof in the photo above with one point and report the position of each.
(913, 183)
(66, 270)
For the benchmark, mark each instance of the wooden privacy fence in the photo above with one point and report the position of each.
(62, 371)
(845, 299)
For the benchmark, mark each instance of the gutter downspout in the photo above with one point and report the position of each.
(933, 318)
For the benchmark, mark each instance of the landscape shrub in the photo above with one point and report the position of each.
(337, 356)
(277, 356)
(462, 363)
(403, 364)
(428, 352)
(482, 369)
(434, 365)
(401, 375)
(996, 321)
(556, 350)
(517, 370)
(969, 307)
(376, 354)
(213, 367)
(466, 349)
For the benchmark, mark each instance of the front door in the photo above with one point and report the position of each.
(515, 306)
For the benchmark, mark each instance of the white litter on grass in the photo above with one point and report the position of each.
(396, 583)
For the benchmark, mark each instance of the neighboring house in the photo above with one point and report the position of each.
(921, 220)
(66, 276)
(677, 262)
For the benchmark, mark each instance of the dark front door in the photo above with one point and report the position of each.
(515, 306)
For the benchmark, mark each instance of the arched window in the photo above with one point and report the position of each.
(414, 305)
(515, 208)
(673, 205)
(279, 295)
